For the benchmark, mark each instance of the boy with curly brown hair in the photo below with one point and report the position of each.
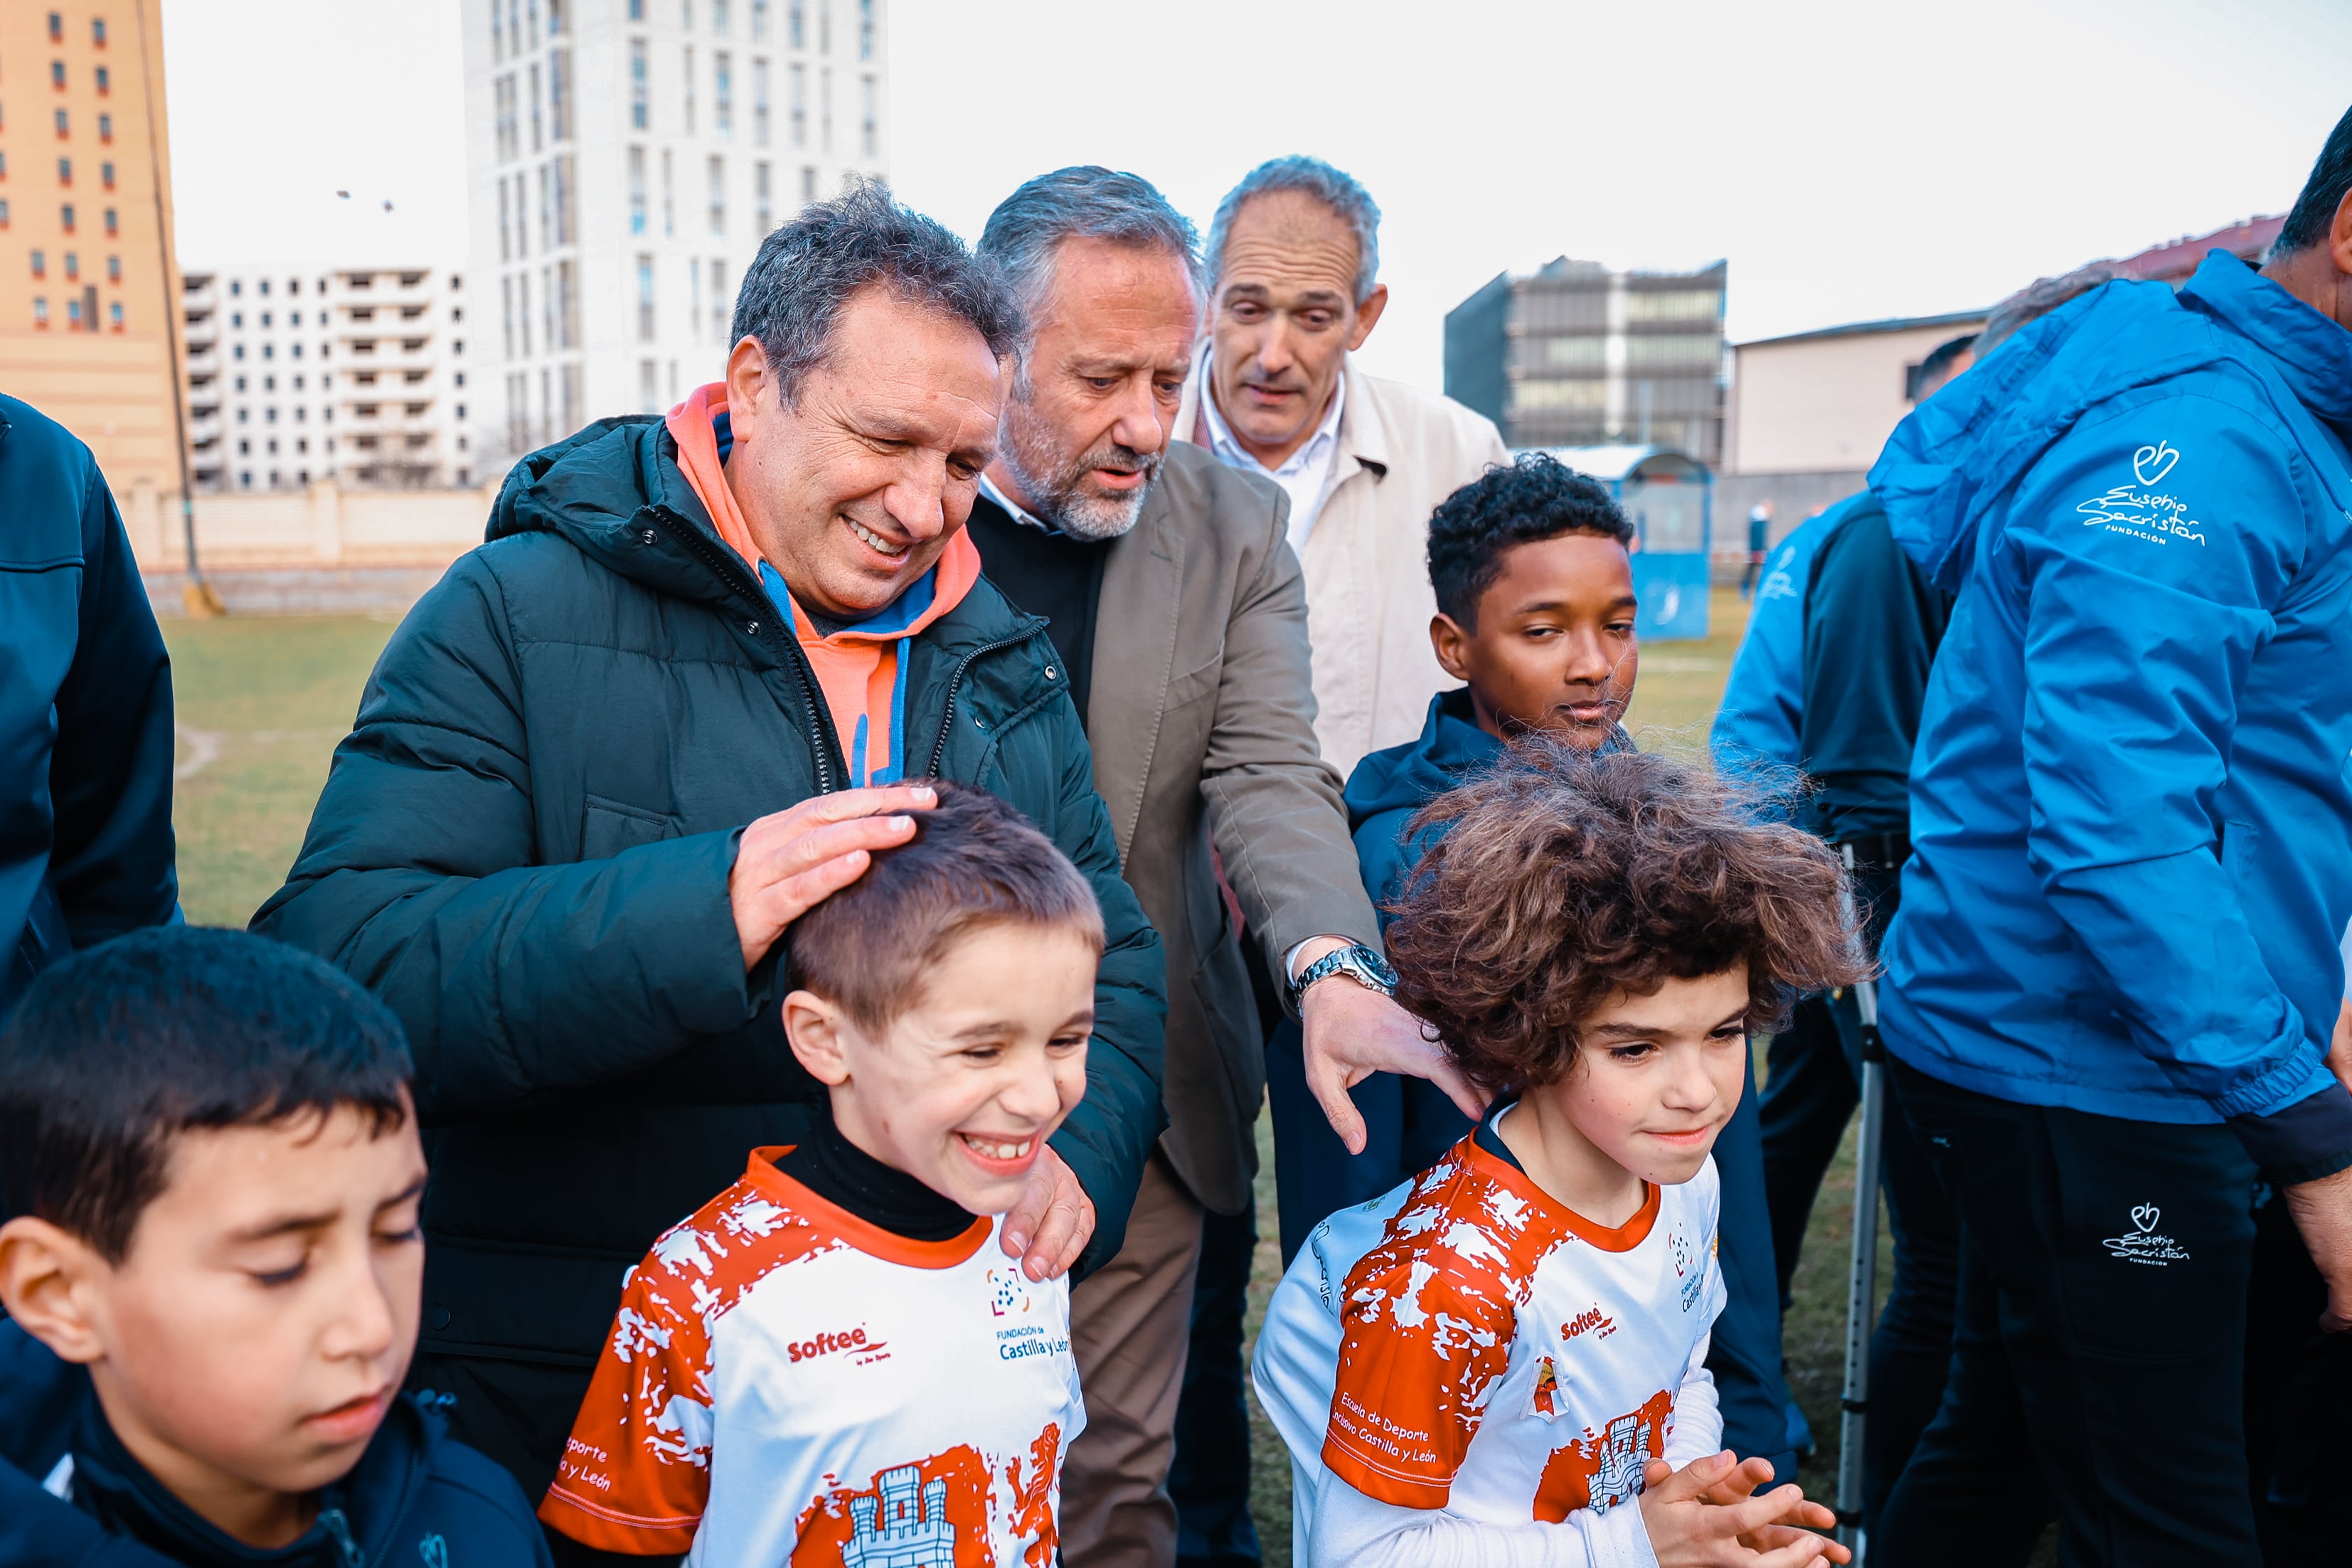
(1490, 1363)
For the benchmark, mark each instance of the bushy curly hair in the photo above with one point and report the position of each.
(1558, 878)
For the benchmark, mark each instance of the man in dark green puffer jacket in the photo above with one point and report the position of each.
(529, 845)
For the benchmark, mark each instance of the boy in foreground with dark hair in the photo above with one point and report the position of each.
(211, 1265)
(832, 1361)
(1492, 1361)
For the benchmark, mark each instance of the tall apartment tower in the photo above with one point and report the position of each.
(1574, 354)
(89, 282)
(626, 159)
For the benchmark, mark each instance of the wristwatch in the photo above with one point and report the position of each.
(1356, 961)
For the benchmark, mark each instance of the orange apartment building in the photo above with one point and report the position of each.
(88, 283)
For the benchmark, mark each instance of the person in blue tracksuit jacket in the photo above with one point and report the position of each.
(2112, 981)
(85, 712)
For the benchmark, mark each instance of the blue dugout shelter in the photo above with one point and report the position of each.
(1670, 500)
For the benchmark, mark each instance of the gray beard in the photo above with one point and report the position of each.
(1056, 484)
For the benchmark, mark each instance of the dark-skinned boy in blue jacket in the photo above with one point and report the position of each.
(211, 1265)
(2112, 981)
(1535, 598)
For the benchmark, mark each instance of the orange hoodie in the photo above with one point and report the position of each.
(859, 667)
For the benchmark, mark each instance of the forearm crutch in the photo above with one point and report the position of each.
(1862, 1272)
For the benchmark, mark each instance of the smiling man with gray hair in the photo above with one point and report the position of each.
(1174, 600)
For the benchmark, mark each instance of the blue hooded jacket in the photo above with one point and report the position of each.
(2131, 825)
(71, 1496)
(1758, 717)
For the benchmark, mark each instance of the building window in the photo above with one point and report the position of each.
(554, 17)
(3, 213)
(566, 178)
(795, 13)
(41, 312)
(718, 197)
(825, 26)
(57, 74)
(115, 314)
(113, 227)
(669, 211)
(869, 133)
(65, 217)
(719, 11)
(759, 21)
(719, 303)
(687, 97)
(538, 111)
(559, 93)
(65, 171)
(57, 26)
(649, 380)
(864, 30)
(498, 31)
(104, 84)
(546, 210)
(504, 248)
(644, 299)
(3, 165)
(639, 112)
(636, 10)
(722, 93)
(760, 102)
(64, 126)
(808, 185)
(799, 106)
(637, 190)
(766, 201)
(825, 110)
(73, 314)
(41, 264)
(506, 313)
(98, 31)
(106, 175)
(694, 299)
(106, 128)
(114, 269)
(73, 268)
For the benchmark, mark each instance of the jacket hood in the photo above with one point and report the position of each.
(1452, 747)
(603, 489)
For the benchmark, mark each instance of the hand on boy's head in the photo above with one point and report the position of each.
(248, 1342)
(787, 862)
(1548, 644)
(1701, 1517)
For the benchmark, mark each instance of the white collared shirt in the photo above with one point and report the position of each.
(1013, 508)
(1304, 476)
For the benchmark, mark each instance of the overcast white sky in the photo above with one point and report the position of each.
(1852, 158)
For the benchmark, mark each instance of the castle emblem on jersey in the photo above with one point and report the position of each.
(891, 1529)
(1007, 1291)
(1625, 1449)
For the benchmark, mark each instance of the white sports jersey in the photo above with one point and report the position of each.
(787, 1383)
(1466, 1343)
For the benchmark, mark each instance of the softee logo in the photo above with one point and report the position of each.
(833, 1344)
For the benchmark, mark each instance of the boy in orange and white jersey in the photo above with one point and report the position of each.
(1502, 1363)
(832, 1363)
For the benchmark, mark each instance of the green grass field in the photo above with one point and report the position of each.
(263, 702)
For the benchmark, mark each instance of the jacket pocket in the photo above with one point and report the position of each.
(1195, 683)
(608, 827)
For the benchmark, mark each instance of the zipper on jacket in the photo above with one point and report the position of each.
(816, 721)
(955, 684)
(332, 1521)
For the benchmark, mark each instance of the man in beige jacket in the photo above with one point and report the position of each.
(1294, 258)
(1174, 602)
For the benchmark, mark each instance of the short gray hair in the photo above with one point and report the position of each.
(794, 291)
(2040, 298)
(1310, 177)
(1084, 201)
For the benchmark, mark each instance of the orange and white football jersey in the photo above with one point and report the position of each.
(787, 1383)
(1466, 1342)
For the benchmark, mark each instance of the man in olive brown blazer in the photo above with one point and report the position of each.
(1177, 605)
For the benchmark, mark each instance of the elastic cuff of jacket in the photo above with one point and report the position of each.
(2304, 1142)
